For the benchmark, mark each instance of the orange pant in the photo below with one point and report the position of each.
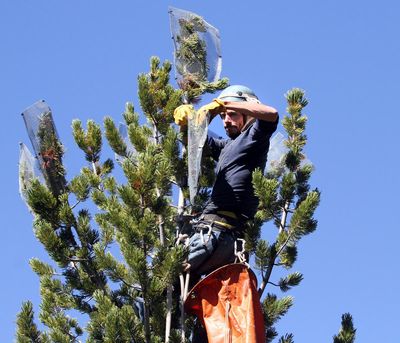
(227, 303)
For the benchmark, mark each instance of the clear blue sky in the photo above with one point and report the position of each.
(83, 58)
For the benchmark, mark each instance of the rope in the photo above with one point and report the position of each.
(240, 254)
(209, 226)
(228, 336)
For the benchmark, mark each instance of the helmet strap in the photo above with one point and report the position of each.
(247, 122)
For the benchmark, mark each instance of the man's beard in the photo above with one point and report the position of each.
(232, 131)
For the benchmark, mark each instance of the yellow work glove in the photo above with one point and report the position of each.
(182, 113)
(214, 107)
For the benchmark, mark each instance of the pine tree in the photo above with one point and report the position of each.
(136, 216)
(129, 300)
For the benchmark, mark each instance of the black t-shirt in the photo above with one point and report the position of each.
(237, 159)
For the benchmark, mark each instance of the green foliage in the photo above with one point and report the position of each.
(267, 193)
(288, 338)
(286, 200)
(347, 333)
(264, 255)
(80, 186)
(191, 60)
(50, 154)
(90, 141)
(125, 299)
(41, 268)
(294, 125)
(288, 255)
(302, 222)
(54, 244)
(158, 98)
(27, 331)
(289, 281)
(109, 323)
(134, 217)
(114, 138)
(137, 217)
(42, 201)
(274, 309)
(252, 234)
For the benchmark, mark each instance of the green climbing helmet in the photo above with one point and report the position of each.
(237, 93)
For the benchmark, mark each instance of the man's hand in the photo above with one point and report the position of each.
(214, 107)
(182, 113)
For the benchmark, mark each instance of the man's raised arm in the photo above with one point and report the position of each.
(253, 109)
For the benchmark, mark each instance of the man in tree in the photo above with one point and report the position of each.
(249, 125)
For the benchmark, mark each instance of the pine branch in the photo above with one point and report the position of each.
(288, 338)
(27, 330)
(289, 281)
(275, 308)
(347, 333)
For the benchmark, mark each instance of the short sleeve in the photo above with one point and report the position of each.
(215, 146)
(263, 128)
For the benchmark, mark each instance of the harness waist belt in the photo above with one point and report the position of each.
(228, 223)
(229, 214)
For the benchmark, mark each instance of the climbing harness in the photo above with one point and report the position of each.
(204, 226)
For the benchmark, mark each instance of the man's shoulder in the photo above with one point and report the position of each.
(263, 127)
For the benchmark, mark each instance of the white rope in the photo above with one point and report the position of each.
(240, 254)
(209, 226)
(227, 336)
(182, 238)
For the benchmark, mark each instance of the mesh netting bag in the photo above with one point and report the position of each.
(28, 169)
(197, 61)
(130, 149)
(197, 135)
(276, 152)
(197, 56)
(46, 144)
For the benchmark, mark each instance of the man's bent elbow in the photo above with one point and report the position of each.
(270, 115)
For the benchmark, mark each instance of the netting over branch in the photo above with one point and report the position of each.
(46, 144)
(130, 149)
(29, 170)
(197, 56)
(197, 134)
(277, 153)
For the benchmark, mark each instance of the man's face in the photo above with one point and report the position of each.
(233, 123)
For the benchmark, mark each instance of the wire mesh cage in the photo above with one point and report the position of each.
(46, 144)
(28, 170)
(197, 56)
(197, 135)
(130, 149)
(197, 62)
(276, 154)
